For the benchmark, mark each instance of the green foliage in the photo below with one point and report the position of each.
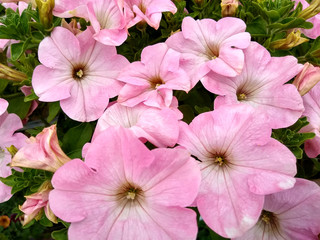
(292, 138)
(28, 181)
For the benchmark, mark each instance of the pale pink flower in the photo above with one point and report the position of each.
(311, 103)
(307, 78)
(210, 46)
(41, 152)
(36, 202)
(240, 163)
(291, 214)
(153, 79)
(79, 72)
(315, 20)
(149, 11)
(158, 126)
(261, 85)
(9, 123)
(125, 191)
(3, 105)
(106, 17)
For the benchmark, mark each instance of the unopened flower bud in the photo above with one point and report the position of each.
(307, 78)
(73, 26)
(35, 204)
(11, 74)
(293, 39)
(45, 12)
(12, 150)
(312, 10)
(41, 152)
(229, 7)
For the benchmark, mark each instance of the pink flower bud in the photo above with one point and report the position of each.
(42, 152)
(36, 202)
(307, 78)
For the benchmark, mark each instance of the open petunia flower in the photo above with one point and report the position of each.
(106, 17)
(158, 126)
(240, 163)
(261, 85)
(124, 191)
(79, 72)
(153, 79)
(149, 11)
(210, 46)
(291, 214)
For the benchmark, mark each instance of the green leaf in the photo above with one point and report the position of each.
(3, 84)
(257, 27)
(187, 112)
(200, 110)
(76, 137)
(18, 106)
(61, 234)
(297, 151)
(17, 49)
(54, 108)
(316, 163)
(31, 97)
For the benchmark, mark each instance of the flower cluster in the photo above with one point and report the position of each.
(125, 158)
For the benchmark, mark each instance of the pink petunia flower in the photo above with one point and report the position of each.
(149, 11)
(153, 79)
(125, 191)
(311, 103)
(292, 214)
(9, 123)
(106, 17)
(261, 85)
(3, 105)
(210, 46)
(41, 152)
(240, 163)
(158, 126)
(79, 72)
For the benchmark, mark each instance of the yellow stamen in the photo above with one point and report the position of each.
(131, 195)
(79, 73)
(242, 96)
(219, 160)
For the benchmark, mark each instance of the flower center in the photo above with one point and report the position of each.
(129, 192)
(78, 73)
(269, 218)
(219, 160)
(155, 82)
(241, 96)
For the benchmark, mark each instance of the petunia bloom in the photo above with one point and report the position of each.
(3, 105)
(153, 79)
(311, 103)
(291, 214)
(79, 72)
(240, 163)
(124, 191)
(261, 85)
(41, 152)
(106, 17)
(210, 46)
(9, 123)
(149, 11)
(158, 126)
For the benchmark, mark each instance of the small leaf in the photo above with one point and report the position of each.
(16, 50)
(54, 108)
(61, 234)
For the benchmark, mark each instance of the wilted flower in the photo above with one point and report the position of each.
(45, 8)
(35, 203)
(293, 39)
(229, 7)
(307, 78)
(41, 152)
